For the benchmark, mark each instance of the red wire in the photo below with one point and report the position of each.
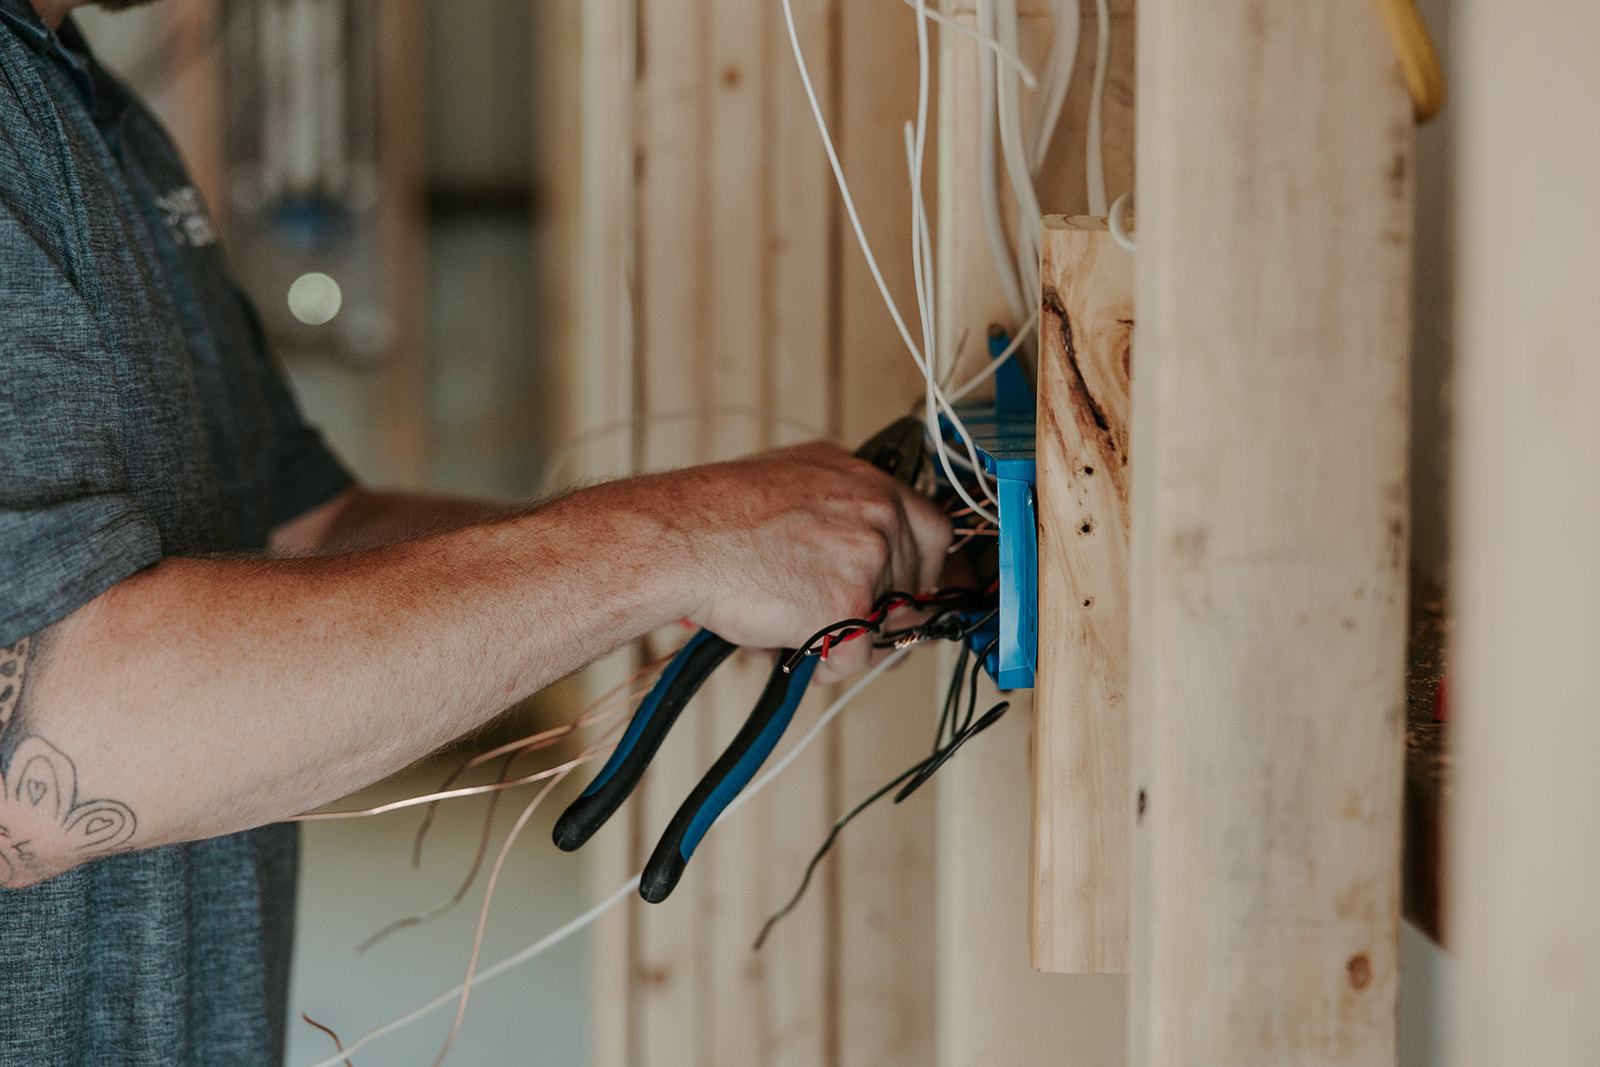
(882, 612)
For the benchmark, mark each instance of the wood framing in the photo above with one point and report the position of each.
(1082, 817)
(1524, 675)
(1269, 533)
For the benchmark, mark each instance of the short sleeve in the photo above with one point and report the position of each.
(69, 529)
(305, 472)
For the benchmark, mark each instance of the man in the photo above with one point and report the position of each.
(207, 627)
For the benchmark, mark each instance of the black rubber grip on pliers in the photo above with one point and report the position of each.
(681, 679)
(727, 778)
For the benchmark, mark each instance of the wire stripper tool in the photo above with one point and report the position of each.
(897, 450)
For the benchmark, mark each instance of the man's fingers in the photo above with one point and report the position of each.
(931, 533)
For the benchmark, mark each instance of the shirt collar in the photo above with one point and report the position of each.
(21, 17)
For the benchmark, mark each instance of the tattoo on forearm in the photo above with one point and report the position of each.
(13, 662)
(44, 826)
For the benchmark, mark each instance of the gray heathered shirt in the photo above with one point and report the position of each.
(140, 418)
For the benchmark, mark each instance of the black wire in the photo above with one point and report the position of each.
(833, 835)
(939, 759)
(972, 694)
(952, 700)
(963, 678)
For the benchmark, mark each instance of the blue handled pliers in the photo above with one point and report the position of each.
(898, 450)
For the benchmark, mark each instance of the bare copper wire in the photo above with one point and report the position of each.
(538, 741)
(444, 907)
(603, 708)
(593, 752)
(593, 716)
(338, 1046)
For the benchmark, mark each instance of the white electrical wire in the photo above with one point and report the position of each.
(923, 276)
(923, 365)
(1094, 156)
(1014, 152)
(995, 364)
(1058, 79)
(844, 186)
(560, 934)
(1000, 250)
(991, 47)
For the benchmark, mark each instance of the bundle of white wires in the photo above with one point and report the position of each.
(1002, 76)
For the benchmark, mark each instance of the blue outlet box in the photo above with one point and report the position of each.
(1004, 434)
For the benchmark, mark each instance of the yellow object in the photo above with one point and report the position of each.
(1418, 61)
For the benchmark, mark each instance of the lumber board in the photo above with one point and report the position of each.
(1268, 565)
(1269, 535)
(745, 1014)
(1524, 582)
(883, 878)
(585, 54)
(800, 385)
(672, 374)
(1082, 817)
(993, 1008)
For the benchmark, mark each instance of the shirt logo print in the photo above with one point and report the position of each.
(186, 216)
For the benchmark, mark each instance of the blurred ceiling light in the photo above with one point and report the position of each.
(315, 298)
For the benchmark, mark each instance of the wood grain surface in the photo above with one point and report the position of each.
(1082, 816)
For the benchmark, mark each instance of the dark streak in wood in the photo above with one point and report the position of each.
(1079, 387)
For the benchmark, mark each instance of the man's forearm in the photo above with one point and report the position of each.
(361, 518)
(202, 697)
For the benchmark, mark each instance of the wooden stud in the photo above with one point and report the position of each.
(799, 214)
(1524, 676)
(1081, 817)
(1269, 533)
(885, 866)
(671, 371)
(585, 54)
(733, 868)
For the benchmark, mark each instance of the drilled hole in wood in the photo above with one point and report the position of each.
(1360, 969)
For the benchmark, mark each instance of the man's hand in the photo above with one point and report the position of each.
(786, 542)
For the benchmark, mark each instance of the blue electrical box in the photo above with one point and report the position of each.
(1004, 434)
